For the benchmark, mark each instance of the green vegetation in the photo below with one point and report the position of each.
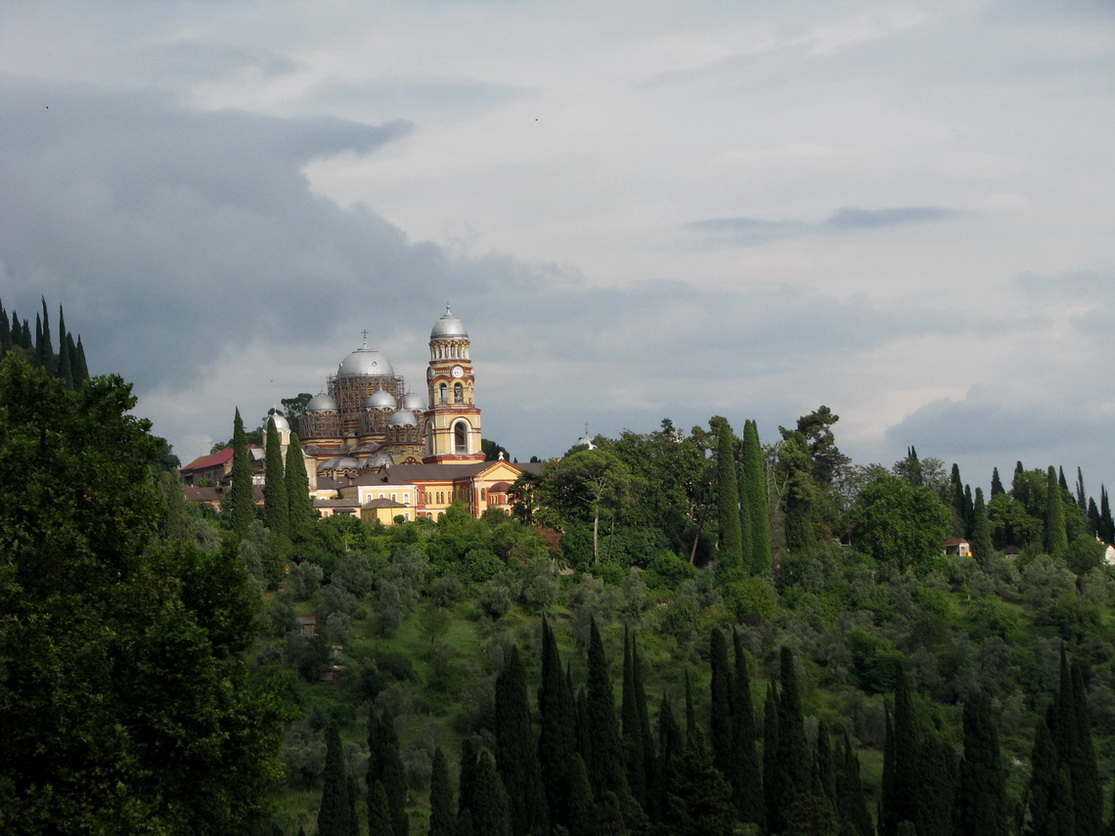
(166, 669)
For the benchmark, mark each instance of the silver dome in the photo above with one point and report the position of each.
(380, 399)
(365, 362)
(321, 403)
(402, 418)
(413, 401)
(280, 422)
(346, 463)
(448, 327)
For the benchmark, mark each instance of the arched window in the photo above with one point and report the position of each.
(443, 393)
(458, 393)
(460, 437)
(429, 439)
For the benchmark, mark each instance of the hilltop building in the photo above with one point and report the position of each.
(377, 450)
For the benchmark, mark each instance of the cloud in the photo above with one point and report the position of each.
(728, 232)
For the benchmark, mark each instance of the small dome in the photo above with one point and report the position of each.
(413, 401)
(322, 403)
(365, 362)
(402, 418)
(585, 441)
(380, 399)
(378, 460)
(280, 422)
(448, 327)
(346, 463)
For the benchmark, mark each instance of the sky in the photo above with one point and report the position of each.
(639, 210)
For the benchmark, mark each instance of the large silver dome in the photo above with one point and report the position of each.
(402, 418)
(365, 362)
(448, 327)
(380, 399)
(280, 422)
(413, 401)
(321, 403)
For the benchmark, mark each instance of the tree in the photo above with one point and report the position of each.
(238, 505)
(755, 503)
(300, 516)
(334, 817)
(1055, 535)
(982, 547)
(516, 748)
(125, 700)
(557, 741)
(606, 765)
(981, 801)
(276, 509)
(443, 818)
(896, 522)
(632, 727)
(793, 781)
(491, 810)
(385, 767)
(749, 790)
(730, 537)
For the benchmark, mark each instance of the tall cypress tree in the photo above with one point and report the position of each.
(606, 766)
(300, 516)
(982, 547)
(1049, 799)
(772, 777)
(385, 765)
(981, 798)
(670, 750)
(755, 500)
(649, 758)
(996, 483)
(443, 818)
(466, 791)
(380, 822)
(1107, 523)
(724, 755)
(851, 804)
(557, 739)
(749, 792)
(238, 504)
(1071, 734)
(632, 730)
(491, 809)
(956, 492)
(81, 371)
(1081, 496)
(333, 818)
(581, 807)
(516, 748)
(793, 752)
(276, 509)
(727, 495)
(1056, 536)
(65, 364)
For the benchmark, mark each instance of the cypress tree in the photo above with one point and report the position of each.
(491, 810)
(936, 770)
(851, 805)
(557, 740)
(956, 491)
(443, 819)
(28, 343)
(702, 800)
(65, 364)
(772, 778)
(300, 516)
(380, 822)
(670, 750)
(1094, 518)
(981, 799)
(276, 509)
(720, 713)
(749, 792)
(333, 818)
(516, 748)
(1049, 795)
(1061, 479)
(38, 346)
(581, 808)
(464, 824)
(906, 742)
(81, 373)
(5, 332)
(386, 766)
(1107, 524)
(238, 505)
(888, 806)
(793, 752)
(649, 758)
(606, 766)
(969, 511)
(755, 501)
(1056, 537)
(631, 727)
(982, 547)
(996, 483)
(727, 495)
(825, 770)
(467, 786)
(1081, 496)
(1071, 732)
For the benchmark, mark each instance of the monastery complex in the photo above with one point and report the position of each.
(374, 449)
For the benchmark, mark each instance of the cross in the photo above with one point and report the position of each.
(365, 333)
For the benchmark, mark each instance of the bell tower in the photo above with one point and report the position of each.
(452, 421)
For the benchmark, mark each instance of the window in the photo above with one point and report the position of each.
(458, 393)
(460, 437)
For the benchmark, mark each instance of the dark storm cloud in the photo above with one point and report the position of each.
(185, 231)
(728, 232)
